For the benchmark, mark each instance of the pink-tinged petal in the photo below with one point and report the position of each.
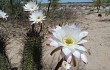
(84, 58)
(66, 51)
(83, 34)
(77, 54)
(69, 59)
(82, 41)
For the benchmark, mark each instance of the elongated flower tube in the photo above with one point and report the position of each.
(70, 38)
(30, 6)
(3, 14)
(37, 16)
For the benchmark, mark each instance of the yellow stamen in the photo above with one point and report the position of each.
(32, 7)
(38, 17)
(68, 41)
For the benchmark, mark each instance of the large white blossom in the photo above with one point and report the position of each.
(37, 16)
(70, 38)
(66, 65)
(3, 14)
(30, 6)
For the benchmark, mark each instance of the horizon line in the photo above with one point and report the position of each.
(67, 1)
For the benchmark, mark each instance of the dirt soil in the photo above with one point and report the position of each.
(98, 43)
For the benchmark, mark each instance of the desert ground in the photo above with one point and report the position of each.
(98, 44)
(98, 38)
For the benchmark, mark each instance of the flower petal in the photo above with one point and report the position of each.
(72, 32)
(66, 51)
(30, 6)
(3, 15)
(57, 28)
(36, 16)
(77, 54)
(84, 58)
(82, 41)
(69, 59)
(53, 43)
(74, 47)
(83, 34)
(81, 48)
(59, 34)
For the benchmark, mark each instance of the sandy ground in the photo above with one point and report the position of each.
(14, 51)
(98, 43)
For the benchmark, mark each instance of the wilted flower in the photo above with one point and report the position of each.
(70, 38)
(3, 14)
(37, 16)
(66, 65)
(30, 6)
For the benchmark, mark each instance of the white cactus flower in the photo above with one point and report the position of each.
(66, 65)
(3, 14)
(37, 16)
(70, 37)
(30, 6)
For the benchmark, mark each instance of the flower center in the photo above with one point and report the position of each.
(38, 17)
(32, 7)
(68, 40)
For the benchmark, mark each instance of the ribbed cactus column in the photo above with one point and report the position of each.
(32, 59)
(28, 55)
